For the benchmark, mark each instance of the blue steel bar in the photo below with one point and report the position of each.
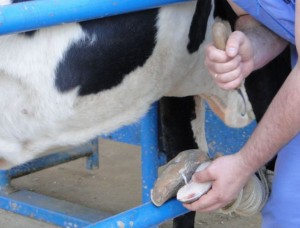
(149, 143)
(50, 161)
(43, 163)
(32, 15)
(144, 216)
(51, 210)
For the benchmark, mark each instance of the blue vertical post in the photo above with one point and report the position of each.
(92, 161)
(149, 148)
(4, 180)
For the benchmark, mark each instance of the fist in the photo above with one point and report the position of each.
(230, 67)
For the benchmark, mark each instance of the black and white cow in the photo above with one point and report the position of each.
(65, 84)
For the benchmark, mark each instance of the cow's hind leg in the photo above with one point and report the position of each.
(176, 115)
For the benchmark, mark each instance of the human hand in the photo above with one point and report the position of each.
(230, 67)
(228, 174)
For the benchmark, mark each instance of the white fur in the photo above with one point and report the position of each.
(35, 117)
(4, 2)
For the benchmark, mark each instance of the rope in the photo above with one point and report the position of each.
(252, 197)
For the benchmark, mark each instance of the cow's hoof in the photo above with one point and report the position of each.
(193, 191)
(176, 171)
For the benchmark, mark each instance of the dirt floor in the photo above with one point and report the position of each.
(114, 187)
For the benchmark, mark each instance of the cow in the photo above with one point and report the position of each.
(65, 84)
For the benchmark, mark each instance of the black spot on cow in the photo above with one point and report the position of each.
(121, 44)
(176, 134)
(199, 24)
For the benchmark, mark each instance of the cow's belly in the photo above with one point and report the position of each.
(37, 121)
(31, 121)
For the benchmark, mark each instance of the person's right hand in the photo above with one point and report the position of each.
(229, 68)
(228, 175)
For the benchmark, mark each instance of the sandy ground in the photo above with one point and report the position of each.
(114, 187)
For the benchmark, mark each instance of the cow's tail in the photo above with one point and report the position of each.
(199, 24)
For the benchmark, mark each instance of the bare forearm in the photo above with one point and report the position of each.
(279, 125)
(266, 44)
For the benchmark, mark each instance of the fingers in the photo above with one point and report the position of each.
(227, 75)
(218, 62)
(209, 202)
(239, 44)
(229, 82)
(234, 43)
(203, 176)
(215, 55)
(230, 67)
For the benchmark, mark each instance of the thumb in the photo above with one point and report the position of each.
(234, 42)
(203, 176)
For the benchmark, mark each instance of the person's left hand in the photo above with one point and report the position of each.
(229, 174)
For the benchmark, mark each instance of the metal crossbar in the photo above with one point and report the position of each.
(31, 15)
